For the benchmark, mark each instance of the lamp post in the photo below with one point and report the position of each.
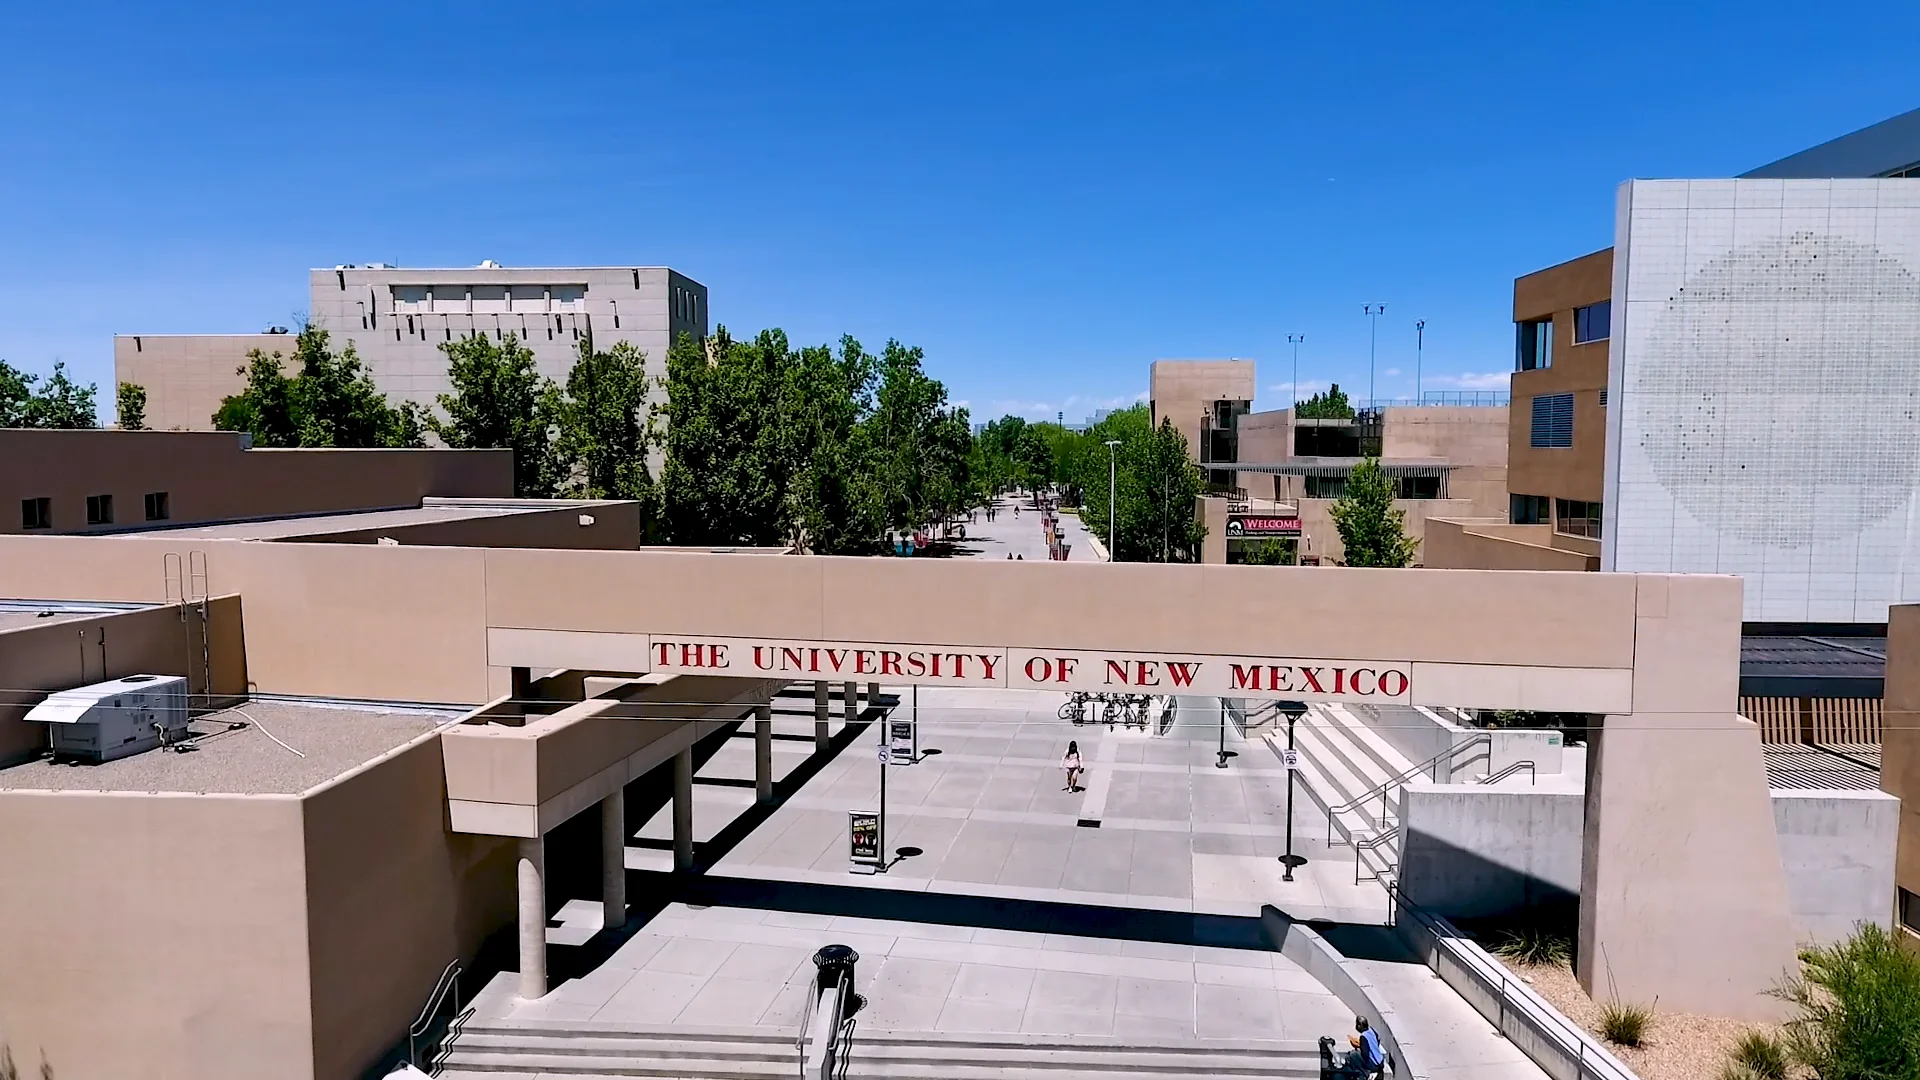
(1294, 710)
(1419, 344)
(1295, 340)
(1221, 762)
(1374, 311)
(1113, 554)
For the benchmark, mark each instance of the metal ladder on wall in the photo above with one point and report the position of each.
(186, 585)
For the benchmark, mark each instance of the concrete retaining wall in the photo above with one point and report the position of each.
(1469, 851)
(1303, 946)
(1419, 734)
(1838, 848)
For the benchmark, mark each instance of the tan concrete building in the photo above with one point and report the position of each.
(110, 481)
(1205, 400)
(1900, 754)
(187, 376)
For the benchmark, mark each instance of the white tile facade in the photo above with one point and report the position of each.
(1764, 388)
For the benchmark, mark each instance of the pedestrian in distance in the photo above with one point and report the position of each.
(1072, 764)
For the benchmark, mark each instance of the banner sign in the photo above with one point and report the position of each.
(1258, 525)
(1364, 681)
(864, 829)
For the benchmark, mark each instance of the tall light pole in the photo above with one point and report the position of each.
(1374, 311)
(1419, 344)
(1295, 340)
(1294, 710)
(1113, 554)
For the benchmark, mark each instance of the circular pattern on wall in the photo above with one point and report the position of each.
(1779, 400)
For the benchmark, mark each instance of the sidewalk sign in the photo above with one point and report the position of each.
(864, 831)
(904, 738)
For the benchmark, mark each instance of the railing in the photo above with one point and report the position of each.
(1532, 777)
(449, 983)
(1382, 789)
(1370, 843)
(1439, 397)
(1512, 1001)
(838, 1037)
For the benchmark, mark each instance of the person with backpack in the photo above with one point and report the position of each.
(1364, 1059)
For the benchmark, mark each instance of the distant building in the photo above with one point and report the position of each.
(397, 319)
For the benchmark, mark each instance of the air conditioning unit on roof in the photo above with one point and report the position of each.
(115, 719)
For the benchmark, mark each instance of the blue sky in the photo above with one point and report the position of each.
(1046, 197)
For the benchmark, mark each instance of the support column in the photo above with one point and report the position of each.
(1682, 893)
(613, 860)
(822, 719)
(531, 872)
(873, 693)
(683, 810)
(763, 753)
(850, 700)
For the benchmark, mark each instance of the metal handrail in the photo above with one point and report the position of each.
(1380, 790)
(449, 981)
(1368, 844)
(841, 1030)
(1533, 777)
(1499, 981)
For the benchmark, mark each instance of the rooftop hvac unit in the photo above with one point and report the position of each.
(115, 719)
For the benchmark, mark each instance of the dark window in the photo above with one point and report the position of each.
(1578, 518)
(1552, 422)
(1909, 910)
(1533, 345)
(1419, 487)
(157, 506)
(1603, 397)
(1529, 510)
(1593, 322)
(99, 509)
(1330, 441)
(1324, 487)
(36, 513)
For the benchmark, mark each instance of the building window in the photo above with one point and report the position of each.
(1324, 487)
(1593, 322)
(1552, 422)
(1578, 518)
(1419, 487)
(99, 509)
(1533, 345)
(1529, 510)
(36, 513)
(1603, 397)
(157, 506)
(1910, 911)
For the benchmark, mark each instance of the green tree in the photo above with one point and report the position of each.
(1372, 529)
(1269, 553)
(918, 444)
(1858, 1001)
(726, 467)
(501, 401)
(329, 400)
(603, 421)
(1329, 404)
(16, 389)
(130, 400)
(59, 403)
(1156, 483)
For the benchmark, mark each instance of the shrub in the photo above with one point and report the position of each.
(1624, 1023)
(1534, 945)
(1760, 1056)
(1859, 1008)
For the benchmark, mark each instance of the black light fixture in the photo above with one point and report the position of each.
(1293, 710)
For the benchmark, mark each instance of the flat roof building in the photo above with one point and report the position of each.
(397, 318)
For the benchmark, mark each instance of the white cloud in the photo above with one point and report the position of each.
(1391, 372)
(1307, 388)
(1075, 407)
(1468, 380)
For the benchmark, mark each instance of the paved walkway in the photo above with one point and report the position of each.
(1009, 535)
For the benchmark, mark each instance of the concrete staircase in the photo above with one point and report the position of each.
(1343, 759)
(574, 1050)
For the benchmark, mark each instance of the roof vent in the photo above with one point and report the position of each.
(489, 264)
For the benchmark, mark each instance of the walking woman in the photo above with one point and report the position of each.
(1072, 764)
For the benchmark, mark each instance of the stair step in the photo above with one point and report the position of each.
(1385, 760)
(783, 1036)
(862, 1063)
(1316, 745)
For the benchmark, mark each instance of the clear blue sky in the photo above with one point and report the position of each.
(1045, 196)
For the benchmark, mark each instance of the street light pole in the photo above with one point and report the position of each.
(1419, 344)
(1113, 554)
(1374, 311)
(1294, 710)
(1295, 340)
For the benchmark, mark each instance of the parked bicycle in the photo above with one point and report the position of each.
(1075, 707)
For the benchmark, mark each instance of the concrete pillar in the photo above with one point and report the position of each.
(822, 720)
(683, 810)
(531, 873)
(522, 685)
(873, 693)
(763, 753)
(1682, 893)
(850, 699)
(613, 859)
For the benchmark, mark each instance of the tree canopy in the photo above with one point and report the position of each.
(329, 400)
(1328, 404)
(130, 403)
(500, 399)
(1155, 483)
(59, 402)
(1372, 530)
